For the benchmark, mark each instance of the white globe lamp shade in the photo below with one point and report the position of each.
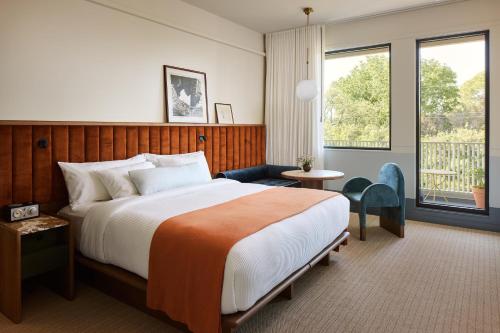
(306, 90)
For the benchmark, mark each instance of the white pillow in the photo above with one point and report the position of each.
(83, 184)
(117, 181)
(164, 178)
(181, 159)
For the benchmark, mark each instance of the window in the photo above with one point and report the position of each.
(453, 122)
(357, 94)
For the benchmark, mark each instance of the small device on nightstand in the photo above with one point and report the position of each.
(19, 212)
(40, 248)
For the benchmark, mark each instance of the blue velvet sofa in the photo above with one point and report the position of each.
(262, 174)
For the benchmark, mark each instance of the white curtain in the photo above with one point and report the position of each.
(293, 126)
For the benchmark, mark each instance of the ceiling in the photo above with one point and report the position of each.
(275, 15)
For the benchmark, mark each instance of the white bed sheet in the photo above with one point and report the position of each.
(119, 232)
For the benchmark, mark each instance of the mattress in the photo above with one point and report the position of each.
(119, 232)
(76, 217)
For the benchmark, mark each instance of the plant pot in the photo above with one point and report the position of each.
(479, 194)
(306, 167)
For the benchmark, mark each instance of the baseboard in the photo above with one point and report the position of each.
(489, 222)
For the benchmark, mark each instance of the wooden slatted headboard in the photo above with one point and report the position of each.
(29, 172)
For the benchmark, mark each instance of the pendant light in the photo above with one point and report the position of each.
(306, 90)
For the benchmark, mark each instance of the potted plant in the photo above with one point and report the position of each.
(305, 162)
(478, 190)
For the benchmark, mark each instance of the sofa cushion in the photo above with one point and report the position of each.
(277, 182)
(246, 175)
(262, 174)
(274, 171)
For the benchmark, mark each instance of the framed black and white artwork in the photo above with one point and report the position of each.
(185, 95)
(224, 113)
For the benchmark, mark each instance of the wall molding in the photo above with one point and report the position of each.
(395, 11)
(113, 123)
(134, 12)
(410, 36)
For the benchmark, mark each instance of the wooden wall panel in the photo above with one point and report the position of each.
(6, 165)
(253, 146)
(154, 140)
(30, 173)
(222, 148)
(192, 139)
(105, 143)
(208, 147)
(42, 164)
(132, 142)
(236, 147)
(229, 149)
(248, 147)
(242, 148)
(165, 140)
(92, 143)
(215, 150)
(262, 149)
(174, 140)
(60, 153)
(76, 144)
(257, 146)
(184, 140)
(22, 190)
(120, 143)
(200, 145)
(143, 140)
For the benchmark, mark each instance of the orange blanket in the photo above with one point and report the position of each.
(188, 252)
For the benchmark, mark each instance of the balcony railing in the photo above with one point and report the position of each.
(356, 144)
(459, 158)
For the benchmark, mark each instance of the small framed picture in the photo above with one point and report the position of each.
(185, 95)
(224, 113)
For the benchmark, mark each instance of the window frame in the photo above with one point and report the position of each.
(448, 207)
(365, 48)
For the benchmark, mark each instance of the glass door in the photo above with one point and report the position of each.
(452, 122)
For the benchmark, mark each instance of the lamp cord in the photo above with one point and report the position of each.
(307, 64)
(307, 59)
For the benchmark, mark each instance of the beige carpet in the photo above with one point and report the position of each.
(437, 279)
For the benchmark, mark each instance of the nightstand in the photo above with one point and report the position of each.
(41, 248)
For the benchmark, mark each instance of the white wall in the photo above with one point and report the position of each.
(87, 61)
(402, 30)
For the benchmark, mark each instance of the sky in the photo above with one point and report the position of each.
(466, 59)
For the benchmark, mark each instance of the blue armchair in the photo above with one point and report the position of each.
(388, 195)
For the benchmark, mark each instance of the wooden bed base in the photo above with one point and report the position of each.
(131, 288)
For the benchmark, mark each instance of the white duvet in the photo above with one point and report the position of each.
(119, 232)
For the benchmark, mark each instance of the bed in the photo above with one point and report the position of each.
(29, 171)
(114, 238)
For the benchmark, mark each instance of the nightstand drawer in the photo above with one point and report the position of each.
(42, 240)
